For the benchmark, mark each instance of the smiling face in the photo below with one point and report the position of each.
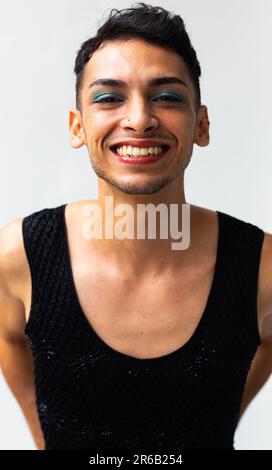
(138, 110)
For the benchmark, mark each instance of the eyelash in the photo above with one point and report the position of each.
(171, 98)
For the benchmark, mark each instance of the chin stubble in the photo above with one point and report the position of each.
(149, 187)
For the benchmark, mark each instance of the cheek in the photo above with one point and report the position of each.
(96, 147)
(99, 130)
(183, 129)
(174, 120)
(95, 135)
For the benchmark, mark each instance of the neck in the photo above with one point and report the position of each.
(139, 256)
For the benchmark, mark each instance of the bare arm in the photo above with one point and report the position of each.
(17, 368)
(15, 355)
(258, 375)
(261, 367)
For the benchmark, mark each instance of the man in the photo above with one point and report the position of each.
(132, 344)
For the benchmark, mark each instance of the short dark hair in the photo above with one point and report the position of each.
(154, 25)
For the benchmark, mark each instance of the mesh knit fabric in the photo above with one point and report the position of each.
(90, 396)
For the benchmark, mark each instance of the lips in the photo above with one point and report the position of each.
(140, 160)
(143, 144)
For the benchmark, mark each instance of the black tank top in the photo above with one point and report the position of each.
(91, 396)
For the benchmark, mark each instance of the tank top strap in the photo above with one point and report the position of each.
(43, 243)
(241, 243)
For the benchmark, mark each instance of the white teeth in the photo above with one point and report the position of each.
(138, 151)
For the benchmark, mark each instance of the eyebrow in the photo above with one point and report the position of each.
(152, 82)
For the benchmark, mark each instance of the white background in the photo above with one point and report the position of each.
(38, 45)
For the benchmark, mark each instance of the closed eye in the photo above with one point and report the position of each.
(170, 98)
(104, 100)
(110, 99)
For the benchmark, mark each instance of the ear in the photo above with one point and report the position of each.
(202, 136)
(76, 129)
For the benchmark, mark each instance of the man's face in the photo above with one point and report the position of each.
(138, 110)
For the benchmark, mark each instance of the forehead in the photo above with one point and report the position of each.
(134, 61)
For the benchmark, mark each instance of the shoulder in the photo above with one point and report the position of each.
(13, 277)
(14, 265)
(265, 285)
(264, 275)
(12, 256)
(264, 288)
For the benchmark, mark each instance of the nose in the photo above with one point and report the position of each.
(139, 117)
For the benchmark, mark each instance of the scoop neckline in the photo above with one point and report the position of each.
(118, 354)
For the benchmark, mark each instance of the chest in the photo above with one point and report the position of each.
(144, 320)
